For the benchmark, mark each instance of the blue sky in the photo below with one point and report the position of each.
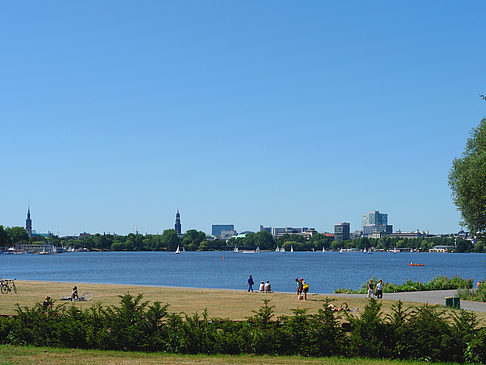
(115, 114)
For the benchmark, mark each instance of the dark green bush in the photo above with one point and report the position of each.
(424, 333)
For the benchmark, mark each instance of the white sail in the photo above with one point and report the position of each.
(291, 248)
(282, 249)
(341, 250)
(277, 249)
(177, 251)
(235, 249)
(257, 249)
(323, 249)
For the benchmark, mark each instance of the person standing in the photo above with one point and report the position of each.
(370, 289)
(379, 290)
(250, 284)
(305, 289)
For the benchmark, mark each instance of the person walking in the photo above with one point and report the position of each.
(370, 289)
(250, 284)
(379, 290)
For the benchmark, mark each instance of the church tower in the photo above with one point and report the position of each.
(28, 224)
(178, 227)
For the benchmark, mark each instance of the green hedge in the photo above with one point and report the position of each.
(437, 283)
(424, 332)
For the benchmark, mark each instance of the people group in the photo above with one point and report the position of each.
(302, 289)
(377, 292)
(263, 287)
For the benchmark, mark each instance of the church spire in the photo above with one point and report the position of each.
(177, 226)
(28, 223)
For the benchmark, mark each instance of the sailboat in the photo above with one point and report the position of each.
(277, 249)
(235, 250)
(183, 249)
(291, 248)
(341, 250)
(323, 249)
(282, 250)
(178, 251)
(395, 250)
(257, 249)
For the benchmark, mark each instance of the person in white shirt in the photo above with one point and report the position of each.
(262, 286)
(268, 288)
(379, 290)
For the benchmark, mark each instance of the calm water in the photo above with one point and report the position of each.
(324, 271)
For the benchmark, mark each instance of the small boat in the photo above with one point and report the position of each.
(282, 250)
(323, 249)
(341, 250)
(183, 249)
(235, 250)
(257, 249)
(178, 251)
(277, 249)
(412, 264)
(291, 248)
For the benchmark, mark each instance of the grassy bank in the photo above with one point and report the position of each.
(232, 304)
(45, 355)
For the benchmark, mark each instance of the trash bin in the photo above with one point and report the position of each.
(456, 302)
(448, 301)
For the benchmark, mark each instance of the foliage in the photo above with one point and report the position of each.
(425, 333)
(467, 181)
(437, 283)
(478, 294)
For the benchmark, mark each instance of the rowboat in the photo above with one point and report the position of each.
(412, 264)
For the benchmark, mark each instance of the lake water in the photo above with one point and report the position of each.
(325, 272)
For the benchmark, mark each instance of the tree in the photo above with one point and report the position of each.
(17, 234)
(467, 180)
(4, 239)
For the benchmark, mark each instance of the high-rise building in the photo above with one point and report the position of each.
(177, 226)
(375, 222)
(219, 230)
(28, 224)
(341, 231)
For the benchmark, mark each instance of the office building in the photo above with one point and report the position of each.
(268, 229)
(277, 232)
(341, 231)
(375, 222)
(223, 230)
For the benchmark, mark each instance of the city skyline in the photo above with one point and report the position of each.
(218, 229)
(276, 114)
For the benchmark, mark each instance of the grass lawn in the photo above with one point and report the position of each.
(232, 304)
(43, 355)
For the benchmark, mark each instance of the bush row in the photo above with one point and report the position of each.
(437, 283)
(424, 332)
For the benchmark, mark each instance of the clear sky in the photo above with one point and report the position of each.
(114, 114)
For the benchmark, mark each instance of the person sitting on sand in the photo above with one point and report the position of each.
(47, 303)
(262, 287)
(75, 295)
(342, 307)
(268, 288)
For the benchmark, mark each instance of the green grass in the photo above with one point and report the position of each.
(43, 355)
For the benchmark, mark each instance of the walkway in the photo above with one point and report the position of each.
(431, 297)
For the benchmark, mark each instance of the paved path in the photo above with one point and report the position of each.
(431, 297)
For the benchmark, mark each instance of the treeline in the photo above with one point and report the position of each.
(194, 240)
(424, 333)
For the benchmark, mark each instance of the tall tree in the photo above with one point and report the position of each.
(17, 234)
(467, 180)
(4, 239)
